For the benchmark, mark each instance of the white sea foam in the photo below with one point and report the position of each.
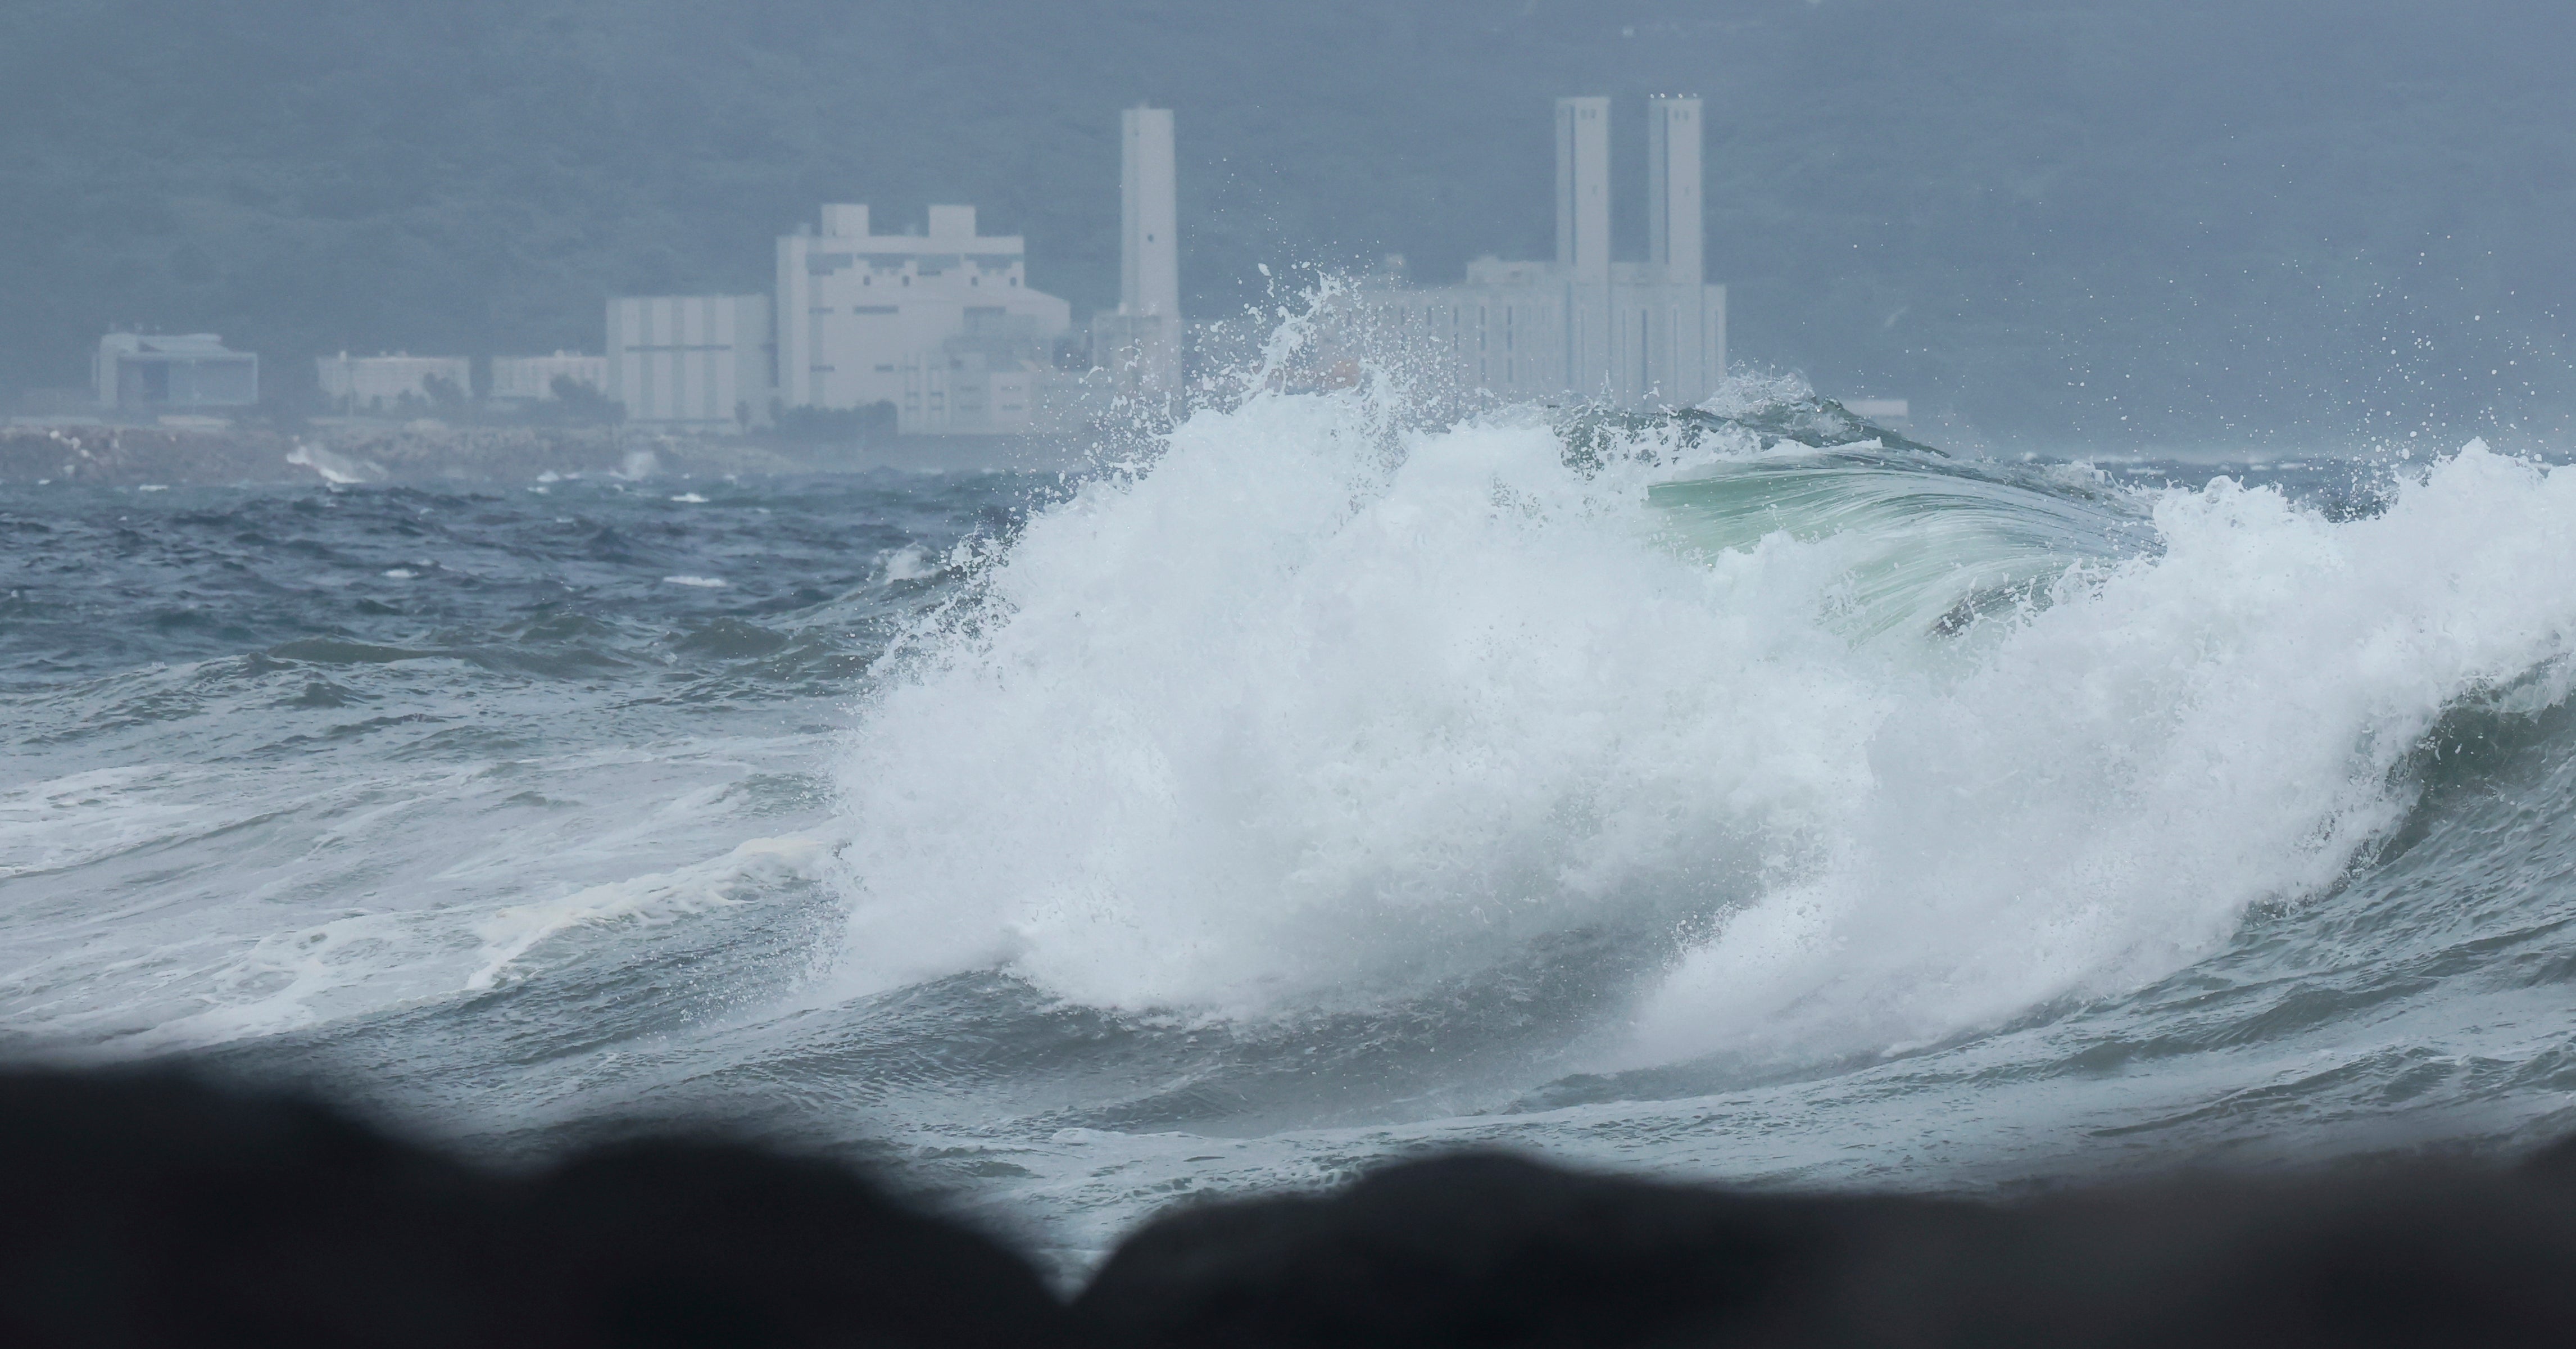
(1308, 710)
(2101, 798)
(69, 822)
(1299, 708)
(510, 933)
(338, 470)
(908, 563)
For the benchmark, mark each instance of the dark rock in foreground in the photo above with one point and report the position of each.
(150, 1210)
(1497, 1251)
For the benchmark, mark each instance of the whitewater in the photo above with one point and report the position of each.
(1323, 785)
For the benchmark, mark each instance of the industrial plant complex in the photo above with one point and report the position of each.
(939, 331)
(942, 325)
(1627, 334)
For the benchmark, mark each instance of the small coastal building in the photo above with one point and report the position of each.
(394, 383)
(138, 373)
(531, 379)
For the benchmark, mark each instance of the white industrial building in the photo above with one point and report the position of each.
(691, 362)
(531, 379)
(941, 324)
(135, 372)
(392, 383)
(1139, 344)
(1629, 334)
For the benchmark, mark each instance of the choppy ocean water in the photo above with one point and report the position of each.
(1320, 792)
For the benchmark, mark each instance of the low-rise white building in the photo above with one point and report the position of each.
(531, 379)
(136, 372)
(395, 383)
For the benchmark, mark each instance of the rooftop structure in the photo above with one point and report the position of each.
(139, 373)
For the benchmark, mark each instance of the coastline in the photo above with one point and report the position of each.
(108, 455)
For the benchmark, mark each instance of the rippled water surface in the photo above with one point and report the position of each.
(1323, 794)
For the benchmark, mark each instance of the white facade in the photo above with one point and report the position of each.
(532, 378)
(941, 324)
(690, 362)
(1140, 344)
(1631, 334)
(143, 373)
(389, 383)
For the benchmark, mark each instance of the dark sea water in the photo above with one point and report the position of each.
(1324, 794)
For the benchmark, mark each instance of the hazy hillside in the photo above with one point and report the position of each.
(2210, 219)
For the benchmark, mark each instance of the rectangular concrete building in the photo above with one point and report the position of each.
(698, 363)
(942, 324)
(140, 373)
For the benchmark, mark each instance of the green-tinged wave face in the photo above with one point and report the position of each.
(1928, 543)
(1932, 542)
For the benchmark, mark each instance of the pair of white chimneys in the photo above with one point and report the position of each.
(1673, 221)
(1626, 333)
(1149, 274)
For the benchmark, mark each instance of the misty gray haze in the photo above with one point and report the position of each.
(2115, 225)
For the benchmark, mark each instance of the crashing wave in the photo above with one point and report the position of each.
(1746, 413)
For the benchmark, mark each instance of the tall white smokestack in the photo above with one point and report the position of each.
(1149, 254)
(1583, 188)
(1583, 237)
(1674, 222)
